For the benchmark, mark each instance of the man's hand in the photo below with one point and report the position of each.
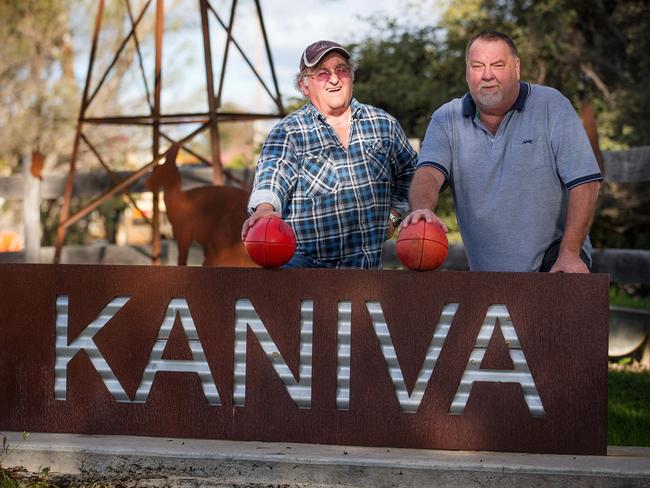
(262, 210)
(569, 263)
(423, 196)
(420, 214)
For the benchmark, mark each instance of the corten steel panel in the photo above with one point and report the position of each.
(560, 320)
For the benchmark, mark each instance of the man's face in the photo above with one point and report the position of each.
(492, 74)
(331, 97)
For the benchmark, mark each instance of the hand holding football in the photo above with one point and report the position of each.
(422, 246)
(270, 242)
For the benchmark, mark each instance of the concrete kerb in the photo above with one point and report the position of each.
(138, 461)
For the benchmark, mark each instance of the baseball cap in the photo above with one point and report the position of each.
(315, 52)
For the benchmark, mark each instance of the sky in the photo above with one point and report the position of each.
(290, 25)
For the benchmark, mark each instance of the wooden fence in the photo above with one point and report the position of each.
(623, 265)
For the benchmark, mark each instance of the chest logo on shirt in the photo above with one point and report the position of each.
(527, 141)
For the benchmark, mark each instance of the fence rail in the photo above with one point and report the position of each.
(95, 183)
(629, 166)
(623, 265)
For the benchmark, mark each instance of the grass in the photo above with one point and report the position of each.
(629, 409)
(619, 297)
(9, 480)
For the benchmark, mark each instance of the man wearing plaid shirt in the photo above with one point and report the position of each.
(336, 170)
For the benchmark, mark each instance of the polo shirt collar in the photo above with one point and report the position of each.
(469, 107)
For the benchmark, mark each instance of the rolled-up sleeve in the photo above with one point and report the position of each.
(276, 171)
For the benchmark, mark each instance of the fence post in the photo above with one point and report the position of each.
(31, 212)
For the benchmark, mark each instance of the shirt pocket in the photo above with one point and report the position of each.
(318, 175)
(379, 169)
(527, 155)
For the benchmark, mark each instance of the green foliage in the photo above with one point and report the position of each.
(36, 75)
(110, 212)
(294, 103)
(239, 162)
(596, 51)
(12, 478)
(619, 223)
(599, 51)
(629, 409)
(447, 213)
(9, 479)
(76, 233)
(630, 295)
(6, 481)
(407, 73)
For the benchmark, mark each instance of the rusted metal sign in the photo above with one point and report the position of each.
(449, 360)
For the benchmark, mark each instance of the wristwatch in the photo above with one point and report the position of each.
(395, 219)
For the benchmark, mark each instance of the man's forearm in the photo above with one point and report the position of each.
(425, 188)
(580, 214)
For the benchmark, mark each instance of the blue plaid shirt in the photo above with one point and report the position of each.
(337, 201)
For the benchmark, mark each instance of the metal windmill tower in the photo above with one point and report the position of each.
(154, 117)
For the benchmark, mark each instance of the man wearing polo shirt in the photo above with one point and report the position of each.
(523, 176)
(336, 170)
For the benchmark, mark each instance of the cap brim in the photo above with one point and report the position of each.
(321, 55)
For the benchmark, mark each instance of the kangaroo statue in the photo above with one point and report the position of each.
(211, 215)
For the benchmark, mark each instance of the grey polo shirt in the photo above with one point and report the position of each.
(510, 189)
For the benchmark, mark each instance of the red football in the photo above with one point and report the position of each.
(270, 242)
(422, 246)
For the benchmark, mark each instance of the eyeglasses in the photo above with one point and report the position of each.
(324, 75)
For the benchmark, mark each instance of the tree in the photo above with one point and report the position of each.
(407, 73)
(596, 51)
(38, 94)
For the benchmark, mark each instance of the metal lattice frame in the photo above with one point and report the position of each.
(155, 119)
